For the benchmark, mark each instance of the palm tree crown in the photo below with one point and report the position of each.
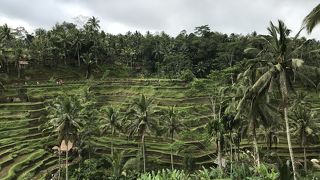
(312, 19)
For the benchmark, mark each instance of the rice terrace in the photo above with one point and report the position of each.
(138, 90)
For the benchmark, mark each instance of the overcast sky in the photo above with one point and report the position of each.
(171, 16)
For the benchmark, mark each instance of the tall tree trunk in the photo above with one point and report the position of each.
(88, 71)
(171, 153)
(143, 153)
(305, 158)
(219, 151)
(19, 71)
(219, 139)
(112, 129)
(231, 154)
(79, 61)
(67, 162)
(7, 65)
(59, 173)
(238, 150)
(255, 143)
(284, 93)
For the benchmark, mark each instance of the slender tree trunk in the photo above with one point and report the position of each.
(19, 71)
(139, 157)
(255, 143)
(59, 173)
(88, 71)
(231, 155)
(112, 129)
(171, 153)
(79, 61)
(238, 152)
(219, 140)
(305, 158)
(219, 151)
(143, 153)
(284, 93)
(270, 140)
(7, 65)
(67, 162)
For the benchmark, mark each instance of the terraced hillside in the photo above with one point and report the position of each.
(24, 153)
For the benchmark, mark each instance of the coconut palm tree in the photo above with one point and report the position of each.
(312, 19)
(93, 23)
(64, 115)
(77, 44)
(279, 51)
(120, 163)
(305, 122)
(141, 113)
(6, 33)
(173, 126)
(90, 120)
(6, 39)
(257, 111)
(110, 120)
(89, 61)
(215, 128)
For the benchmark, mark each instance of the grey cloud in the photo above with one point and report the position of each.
(172, 16)
(36, 12)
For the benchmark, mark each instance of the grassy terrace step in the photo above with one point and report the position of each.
(17, 123)
(20, 104)
(23, 149)
(103, 87)
(46, 172)
(41, 170)
(26, 138)
(157, 101)
(110, 80)
(31, 170)
(14, 116)
(19, 166)
(18, 132)
(10, 159)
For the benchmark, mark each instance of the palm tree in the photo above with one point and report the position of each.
(64, 115)
(110, 120)
(280, 52)
(89, 61)
(173, 126)
(77, 44)
(257, 110)
(141, 112)
(305, 122)
(120, 163)
(6, 38)
(312, 19)
(215, 128)
(90, 120)
(6, 33)
(93, 23)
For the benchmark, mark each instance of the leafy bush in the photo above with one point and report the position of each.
(105, 74)
(187, 75)
(265, 172)
(212, 173)
(165, 174)
(198, 85)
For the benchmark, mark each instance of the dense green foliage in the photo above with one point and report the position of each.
(160, 55)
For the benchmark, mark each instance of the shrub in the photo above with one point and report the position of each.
(187, 75)
(165, 174)
(212, 173)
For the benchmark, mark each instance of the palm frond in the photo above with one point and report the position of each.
(312, 19)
